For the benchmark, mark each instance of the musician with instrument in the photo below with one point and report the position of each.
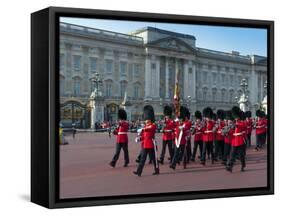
(121, 138)
(197, 132)
(227, 132)
(149, 143)
(167, 137)
(238, 140)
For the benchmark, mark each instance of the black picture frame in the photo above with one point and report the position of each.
(45, 103)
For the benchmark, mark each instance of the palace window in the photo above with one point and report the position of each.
(136, 91)
(214, 95)
(109, 66)
(108, 89)
(77, 63)
(205, 91)
(222, 94)
(136, 70)
(214, 78)
(76, 87)
(62, 81)
(62, 61)
(153, 66)
(123, 86)
(93, 65)
(123, 68)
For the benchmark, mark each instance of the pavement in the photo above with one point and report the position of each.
(85, 170)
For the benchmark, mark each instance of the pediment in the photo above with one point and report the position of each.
(172, 43)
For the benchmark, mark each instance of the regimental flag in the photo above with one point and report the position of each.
(177, 95)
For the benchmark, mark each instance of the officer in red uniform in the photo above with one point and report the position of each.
(261, 128)
(219, 142)
(198, 132)
(238, 140)
(149, 145)
(249, 123)
(208, 135)
(121, 138)
(181, 134)
(168, 130)
(188, 125)
(227, 132)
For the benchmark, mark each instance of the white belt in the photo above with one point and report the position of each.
(238, 134)
(198, 132)
(120, 133)
(210, 131)
(167, 130)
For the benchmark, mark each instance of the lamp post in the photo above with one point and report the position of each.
(264, 102)
(97, 81)
(243, 100)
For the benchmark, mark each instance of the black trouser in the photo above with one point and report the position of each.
(196, 144)
(144, 153)
(226, 151)
(179, 153)
(219, 149)
(139, 156)
(249, 139)
(260, 140)
(124, 146)
(170, 148)
(207, 147)
(235, 151)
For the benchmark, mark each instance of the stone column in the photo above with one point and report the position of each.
(253, 88)
(167, 78)
(186, 82)
(68, 66)
(193, 80)
(147, 88)
(157, 76)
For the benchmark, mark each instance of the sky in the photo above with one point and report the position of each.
(247, 41)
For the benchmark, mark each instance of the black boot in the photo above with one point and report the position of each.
(161, 161)
(172, 167)
(112, 163)
(126, 164)
(156, 172)
(136, 173)
(229, 168)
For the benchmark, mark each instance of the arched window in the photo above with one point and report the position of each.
(231, 96)
(214, 94)
(205, 92)
(108, 88)
(136, 90)
(223, 94)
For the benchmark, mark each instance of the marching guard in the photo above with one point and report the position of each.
(238, 140)
(249, 123)
(167, 137)
(121, 138)
(149, 143)
(227, 132)
(219, 142)
(197, 132)
(261, 128)
(208, 135)
(181, 133)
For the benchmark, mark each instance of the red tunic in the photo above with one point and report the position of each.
(148, 135)
(121, 132)
(219, 135)
(261, 126)
(186, 125)
(198, 136)
(239, 133)
(168, 130)
(208, 134)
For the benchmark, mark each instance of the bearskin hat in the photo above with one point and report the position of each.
(236, 112)
(187, 113)
(263, 114)
(220, 114)
(198, 114)
(258, 113)
(228, 115)
(248, 114)
(208, 112)
(168, 111)
(214, 116)
(148, 113)
(183, 112)
(242, 115)
(122, 114)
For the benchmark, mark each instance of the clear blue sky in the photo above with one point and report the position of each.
(247, 41)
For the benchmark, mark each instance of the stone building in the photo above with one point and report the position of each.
(142, 65)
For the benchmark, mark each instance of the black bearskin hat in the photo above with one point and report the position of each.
(248, 114)
(148, 113)
(208, 112)
(187, 113)
(220, 114)
(214, 116)
(198, 114)
(228, 115)
(262, 114)
(242, 115)
(236, 112)
(258, 113)
(183, 112)
(168, 111)
(122, 114)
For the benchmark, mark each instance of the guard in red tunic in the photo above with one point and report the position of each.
(181, 135)
(121, 138)
(219, 142)
(198, 133)
(238, 141)
(148, 139)
(208, 135)
(249, 123)
(227, 132)
(261, 128)
(168, 130)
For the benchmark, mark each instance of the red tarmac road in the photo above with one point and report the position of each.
(85, 170)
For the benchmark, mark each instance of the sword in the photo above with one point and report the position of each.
(155, 152)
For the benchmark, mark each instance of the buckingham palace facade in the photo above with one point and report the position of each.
(142, 66)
